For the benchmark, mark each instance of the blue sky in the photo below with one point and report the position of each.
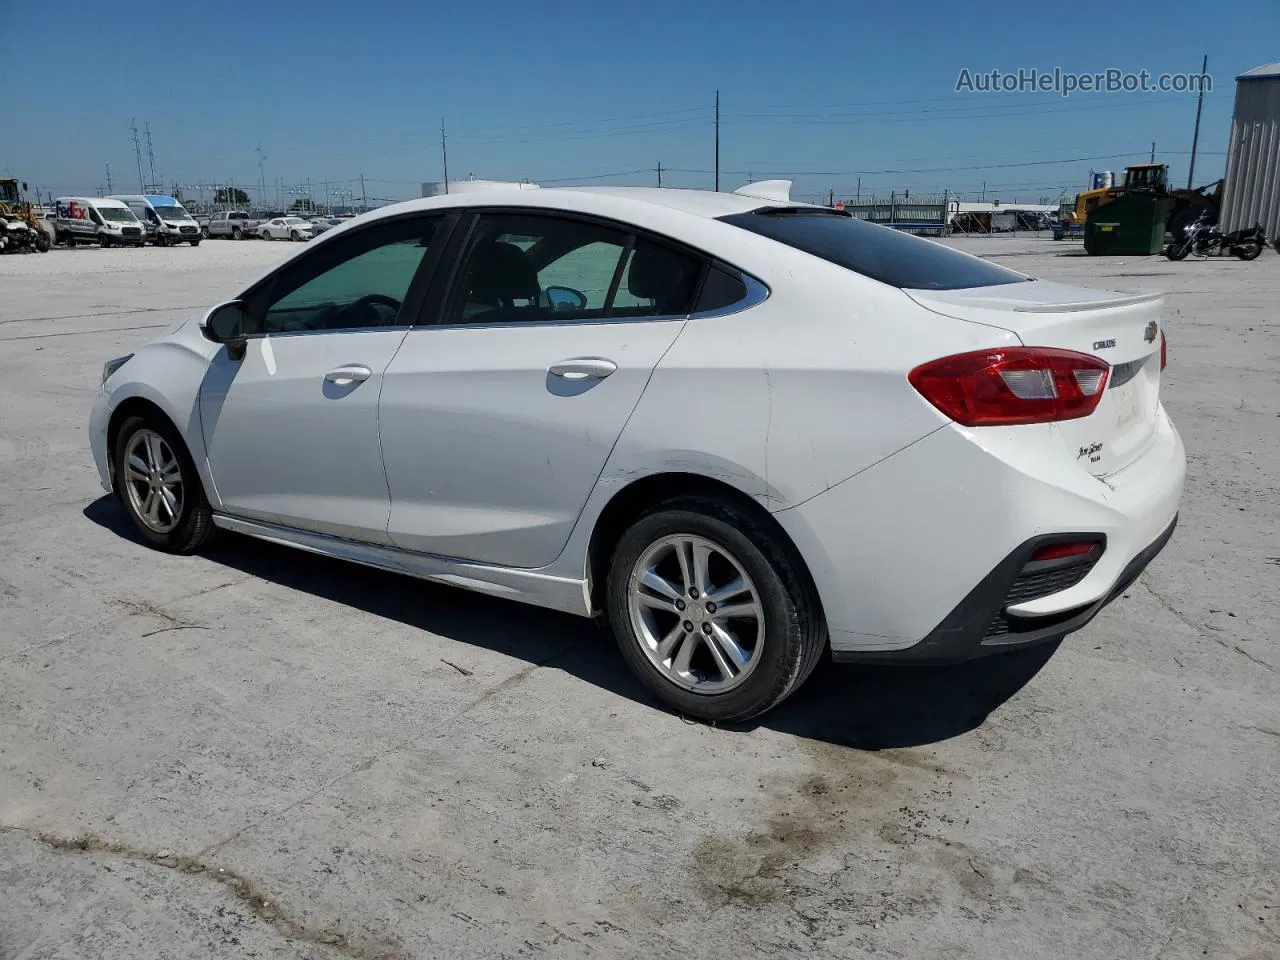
(823, 92)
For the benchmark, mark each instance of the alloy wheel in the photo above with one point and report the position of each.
(154, 480)
(696, 613)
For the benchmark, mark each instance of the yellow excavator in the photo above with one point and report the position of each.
(20, 231)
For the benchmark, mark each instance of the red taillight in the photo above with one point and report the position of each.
(1060, 551)
(1013, 385)
(1164, 351)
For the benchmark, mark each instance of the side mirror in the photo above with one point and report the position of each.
(225, 324)
(565, 298)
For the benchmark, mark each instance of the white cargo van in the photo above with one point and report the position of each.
(165, 220)
(96, 220)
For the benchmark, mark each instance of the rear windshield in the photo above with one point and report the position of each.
(881, 253)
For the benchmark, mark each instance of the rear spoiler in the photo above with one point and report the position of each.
(1083, 305)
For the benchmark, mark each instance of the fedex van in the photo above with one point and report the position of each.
(165, 220)
(98, 220)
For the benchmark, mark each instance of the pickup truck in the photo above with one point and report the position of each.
(235, 224)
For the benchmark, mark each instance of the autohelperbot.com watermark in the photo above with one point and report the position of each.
(1065, 83)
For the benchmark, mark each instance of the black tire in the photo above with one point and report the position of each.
(236, 233)
(161, 240)
(104, 241)
(1177, 251)
(195, 242)
(293, 235)
(204, 233)
(43, 243)
(71, 242)
(1248, 251)
(795, 636)
(195, 520)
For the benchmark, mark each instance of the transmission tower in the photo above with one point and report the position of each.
(151, 159)
(110, 190)
(137, 155)
(262, 176)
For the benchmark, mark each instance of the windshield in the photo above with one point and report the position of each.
(881, 253)
(172, 213)
(118, 214)
(8, 191)
(292, 220)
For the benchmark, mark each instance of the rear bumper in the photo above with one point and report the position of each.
(925, 546)
(981, 625)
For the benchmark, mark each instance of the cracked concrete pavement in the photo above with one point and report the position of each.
(261, 753)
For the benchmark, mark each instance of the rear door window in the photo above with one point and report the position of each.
(881, 253)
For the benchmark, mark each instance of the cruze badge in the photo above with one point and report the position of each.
(1149, 334)
(1103, 344)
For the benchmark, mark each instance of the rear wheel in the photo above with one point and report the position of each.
(712, 611)
(235, 233)
(71, 242)
(1249, 250)
(157, 480)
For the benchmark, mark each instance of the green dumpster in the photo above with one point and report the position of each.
(1130, 225)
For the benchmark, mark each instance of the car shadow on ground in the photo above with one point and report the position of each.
(864, 707)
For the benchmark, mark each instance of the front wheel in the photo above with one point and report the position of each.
(294, 236)
(1249, 250)
(235, 233)
(195, 242)
(1177, 251)
(157, 480)
(712, 610)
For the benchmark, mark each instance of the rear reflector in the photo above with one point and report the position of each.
(1013, 385)
(1060, 551)
(1164, 351)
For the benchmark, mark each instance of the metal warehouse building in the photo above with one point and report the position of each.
(1252, 190)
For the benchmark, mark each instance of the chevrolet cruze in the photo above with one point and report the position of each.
(747, 432)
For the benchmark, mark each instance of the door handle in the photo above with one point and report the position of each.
(348, 374)
(584, 368)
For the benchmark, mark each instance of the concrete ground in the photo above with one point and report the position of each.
(260, 753)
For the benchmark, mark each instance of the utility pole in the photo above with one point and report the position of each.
(1153, 151)
(1195, 137)
(717, 141)
(859, 196)
(110, 189)
(659, 174)
(151, 158)
(831, 196)
(444, 154)
(364, 197)
(984, 191)
(137, 154)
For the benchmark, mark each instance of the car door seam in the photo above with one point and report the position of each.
(377, 425)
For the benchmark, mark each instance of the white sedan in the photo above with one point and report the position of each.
(285, 228)
(748, 432)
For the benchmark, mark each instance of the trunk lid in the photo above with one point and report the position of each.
(1122, 329)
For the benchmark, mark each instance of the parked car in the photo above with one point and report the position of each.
(285, 228)
(165, 220)
(235, 224)
(748, 432)
(97, 220)
(320, 224)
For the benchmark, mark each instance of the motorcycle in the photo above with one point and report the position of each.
(1203, 238)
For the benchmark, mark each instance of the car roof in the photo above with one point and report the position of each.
(701, 203)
